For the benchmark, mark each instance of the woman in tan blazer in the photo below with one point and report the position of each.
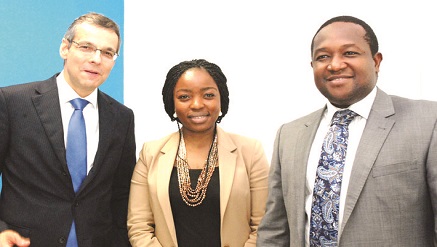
(199, 186)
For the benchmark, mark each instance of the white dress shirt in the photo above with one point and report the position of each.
(90, 114)
(356, 128)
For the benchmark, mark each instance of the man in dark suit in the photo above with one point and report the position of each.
(384, 192)
(39, 203)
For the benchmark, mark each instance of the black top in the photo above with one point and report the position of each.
(196, 226)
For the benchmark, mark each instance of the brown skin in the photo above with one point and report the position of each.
(344, 69)
(197, 106)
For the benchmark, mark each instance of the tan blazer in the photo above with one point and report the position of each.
(243, 191)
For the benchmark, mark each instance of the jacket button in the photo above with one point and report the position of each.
(62, 240)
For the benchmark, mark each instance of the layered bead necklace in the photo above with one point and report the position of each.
(194, 197)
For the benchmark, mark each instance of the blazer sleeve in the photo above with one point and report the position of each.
(141, 223)
(258, 176)
(274, 229)
(4, 140)
(431, 166)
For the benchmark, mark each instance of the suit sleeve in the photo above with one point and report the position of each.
(121, 185)
(4, 140)
(274, 230)
(431, 166)
(141, 223)
(258, 190)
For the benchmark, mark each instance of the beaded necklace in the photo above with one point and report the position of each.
(194, 197)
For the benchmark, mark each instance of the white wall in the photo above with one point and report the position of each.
(263, 47)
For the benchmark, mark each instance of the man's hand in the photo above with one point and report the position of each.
(9, 238)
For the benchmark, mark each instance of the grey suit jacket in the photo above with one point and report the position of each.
(37, 198)
(392, 195)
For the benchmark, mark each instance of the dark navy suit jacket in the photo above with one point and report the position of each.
(37, 197)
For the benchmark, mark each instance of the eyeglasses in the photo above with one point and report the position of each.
(90, 49)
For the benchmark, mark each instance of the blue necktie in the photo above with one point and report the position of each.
(76, 154)
(327, 186)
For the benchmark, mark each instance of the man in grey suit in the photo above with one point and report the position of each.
(41, 204)
(387, 187)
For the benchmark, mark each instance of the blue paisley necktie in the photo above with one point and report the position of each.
(326, 194)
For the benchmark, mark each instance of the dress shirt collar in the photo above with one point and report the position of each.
(66, 93)
(362, 107)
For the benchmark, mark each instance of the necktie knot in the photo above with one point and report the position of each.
(79, 103)
(343, 117)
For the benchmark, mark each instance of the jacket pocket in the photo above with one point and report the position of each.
(405, 166)
(23, 231)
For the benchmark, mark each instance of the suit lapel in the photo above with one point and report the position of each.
(302, 149)
(107, 116)
(165, 168)
(46, 102)
(227, 165)
(375, 133)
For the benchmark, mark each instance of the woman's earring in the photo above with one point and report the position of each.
(175, 115)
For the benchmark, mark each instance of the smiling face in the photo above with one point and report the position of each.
(197, 101)
(344, 69)
(85, 72)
